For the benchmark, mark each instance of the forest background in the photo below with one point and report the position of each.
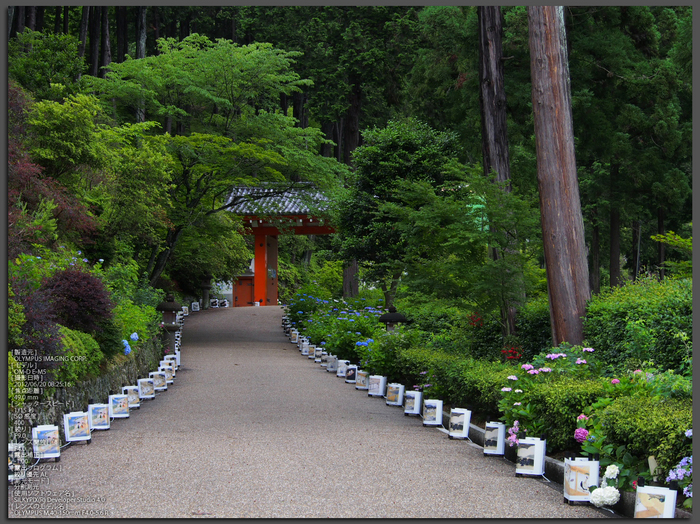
(128, 126)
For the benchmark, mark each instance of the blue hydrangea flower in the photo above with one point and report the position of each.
(134, 336)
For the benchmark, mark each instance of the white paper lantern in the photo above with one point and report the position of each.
(169, 373)
(295, 336)
(76, 426)
(579, 474)
(16, 462)
(312, 351)
(413, 402)
(98, 416)
(332, 364)
(458, 426)
(432, 412)
(118, 406)
(304, 348)
(177, 356)
(146, 389)
(46, 443)
(377, 386)
(362, 380)
(318, 353)
(342, 367)
(654, 502)
(132, 394)
(160, 382)
(350, 373)
(531, 453)
(324, 359)
(495, 438)
(394, 394)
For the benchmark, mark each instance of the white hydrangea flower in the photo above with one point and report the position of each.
(612, 471)
(607, 496)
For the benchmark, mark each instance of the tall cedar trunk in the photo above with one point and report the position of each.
(636, 232)
(40, 18)
(560, 204)
(338, 134)
(156, 26)
(594, 267)
(95, 18)
(31, 18)
(21, 18)
(327, 130)
(162, 259)
(141, 53)
(122, 30)
(141, 32)
(351, 133)
(106, 45)
(350, 283)
(660, 215)
(284, 103)
(615, 274)
(66, 20)
(494, 131)
(57, 19)
(299, 110)
(84, 21)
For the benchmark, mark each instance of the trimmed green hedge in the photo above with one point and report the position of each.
(642, 321)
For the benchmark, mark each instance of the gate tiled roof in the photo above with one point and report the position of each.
(270, 201)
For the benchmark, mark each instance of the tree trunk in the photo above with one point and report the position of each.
(95, 19)
(660, 215)
(66, 20)
(40, 18)
(615, 274)
(57, 20)
(351, 133)
(84, 22)
(122, 30)
(21, 18)
(156, 26)
(141, 33)
(494, 130)
(594, 268)
(350, 283)
(162, 259)
(10, 20)
(560, 204)
(299, 110)
(339, 126)
(31, 18)
(327, 130)
(636, 232)
(106, 45)
(284, 103)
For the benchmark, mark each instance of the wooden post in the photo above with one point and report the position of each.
(560, 204)
(260, 278)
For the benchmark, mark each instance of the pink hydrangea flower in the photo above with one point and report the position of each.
(590, 350)
(615, 381)
(533, 372)
(512, 377)
(581, 434)
(526, 366)
(506, 389)
(582, 417)
(580, 361)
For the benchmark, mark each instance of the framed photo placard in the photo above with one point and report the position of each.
(76, 426)
(531, 452)
(342, 368)
(172, 359)
(394, 394)
(432, 412)
(362, 380)
(324, 359)
(132, 395)
(45, 442)
(579, 474)
(332, 364)
(304, 348)
(351, 373)
(159, 380)
(195, 306)
(169, 373)
(460, 419)
(654, 502)
(377, 386)
(295, 336)
(164, 363)
(146, 388)
(98, 416)
(413, 402)
(495, 438)
(118, 406)
(312, 351)
(318, 353)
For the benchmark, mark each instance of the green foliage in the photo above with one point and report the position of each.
(131, 318)
(82, 357)
(683, 268)
(330, 278)
(642, 321)
(15, 320)
(649, 426)
(533, 327)
(45, 63)
(15, 379)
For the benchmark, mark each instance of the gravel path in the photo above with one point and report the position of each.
(252, 429)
